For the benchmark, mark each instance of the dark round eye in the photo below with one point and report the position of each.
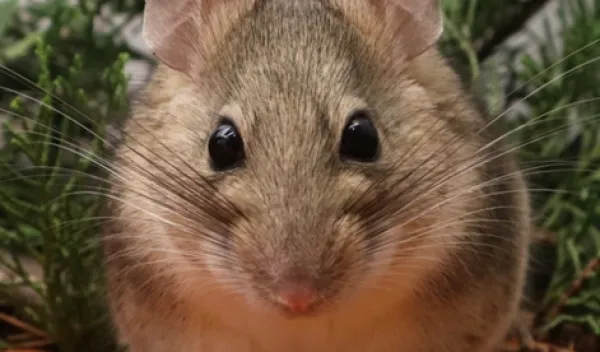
(360, 141)
(225, 146)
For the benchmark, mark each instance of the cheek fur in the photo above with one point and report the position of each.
(407, 254)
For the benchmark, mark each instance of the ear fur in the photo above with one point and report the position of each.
(167, 30)
(413, 26)
(183, 33)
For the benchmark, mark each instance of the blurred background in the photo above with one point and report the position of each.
(69, 69)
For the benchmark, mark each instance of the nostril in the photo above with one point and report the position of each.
(297, 296)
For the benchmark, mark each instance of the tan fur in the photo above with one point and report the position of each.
(449, 269)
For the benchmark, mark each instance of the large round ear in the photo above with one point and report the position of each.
(413, 26)
(423, 27)
(168, 31)
(182, 33)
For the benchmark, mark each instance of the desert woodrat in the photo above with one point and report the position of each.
(310, 176)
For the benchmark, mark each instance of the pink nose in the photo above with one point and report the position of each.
(297, 296)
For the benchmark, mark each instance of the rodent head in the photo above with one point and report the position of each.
(302, 151)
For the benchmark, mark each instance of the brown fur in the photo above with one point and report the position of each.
(421, 261)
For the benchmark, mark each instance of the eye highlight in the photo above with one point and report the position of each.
(360, 140)
(225, 146)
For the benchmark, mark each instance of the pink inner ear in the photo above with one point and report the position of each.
(416, 6)
(168, 31)
(407, 27)
(419, 24)
(161, 17)
(183, 33)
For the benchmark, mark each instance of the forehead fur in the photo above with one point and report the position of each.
(297, 69)
(302, 68)
(292, 49)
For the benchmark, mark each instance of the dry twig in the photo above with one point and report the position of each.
(23, 326)
(574, 288)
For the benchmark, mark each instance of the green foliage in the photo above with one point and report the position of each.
(461, 17)
(47, 207)
(562, 133)
(62, 85)
(7, 10)
(50, 175)
(68, 28)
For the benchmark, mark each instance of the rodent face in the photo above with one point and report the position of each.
(283, 207)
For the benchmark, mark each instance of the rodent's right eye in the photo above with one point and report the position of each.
(360, 141)
(225, 146)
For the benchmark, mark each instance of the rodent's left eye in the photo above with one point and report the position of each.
(225, 146)
(360, 141)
